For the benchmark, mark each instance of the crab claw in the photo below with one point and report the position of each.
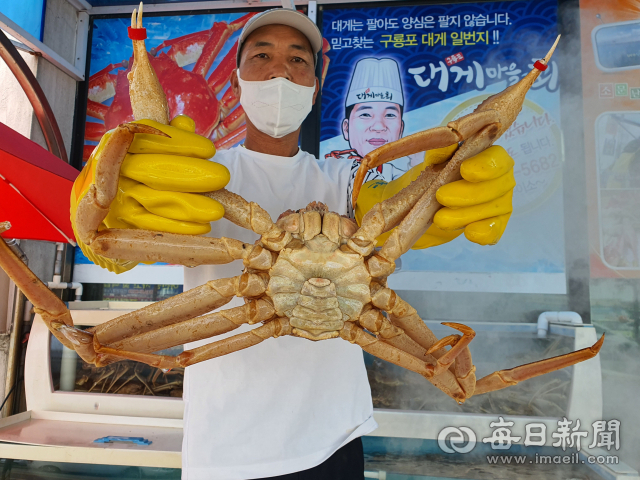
(509, 102)
(458, 344)
(148, 100)
(427, 140)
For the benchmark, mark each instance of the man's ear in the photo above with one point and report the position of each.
(345, 129)
(235, 85)
(401, 129)
(315, 94)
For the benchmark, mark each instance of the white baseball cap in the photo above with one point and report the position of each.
(283, 16)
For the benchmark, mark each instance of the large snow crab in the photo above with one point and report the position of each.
(313, 273)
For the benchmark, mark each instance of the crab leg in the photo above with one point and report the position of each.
(189, 250)
(185, 49)
(220, 33)
(142, 245)
(387, 214)
(239, 23)
(404, 316)
(253, 217)
(222, 73)
(231, 122)
(96, 110)
(102, 84)
(171, 334)
(385, 330)
(463, 367)
(413, 226)
(458, 345)
(93, 131)
(198, 328)
(273, 328)
(410, 206)
(385, 351)
(197, 301)
(418, 142)
(102, 88)
(107, 69)
(232, 138)
(506, 378)
(52, 310)
(227, 102)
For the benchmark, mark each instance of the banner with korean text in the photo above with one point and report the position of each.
(392, 71)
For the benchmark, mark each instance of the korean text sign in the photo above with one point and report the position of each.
(394, 71)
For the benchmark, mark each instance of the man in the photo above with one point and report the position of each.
(285, 405)
(373, 116)
(373, 106)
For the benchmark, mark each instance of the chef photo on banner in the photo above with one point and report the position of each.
(373, 115)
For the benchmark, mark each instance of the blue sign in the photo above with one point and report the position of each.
(393, 71)
(28, 14)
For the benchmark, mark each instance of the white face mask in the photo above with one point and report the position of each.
(276, 107)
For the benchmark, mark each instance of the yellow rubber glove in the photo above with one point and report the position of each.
(159, 179)
(479, 205)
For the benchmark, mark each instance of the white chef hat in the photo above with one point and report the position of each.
(375, 80)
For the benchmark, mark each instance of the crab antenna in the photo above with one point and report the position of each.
(148, 100)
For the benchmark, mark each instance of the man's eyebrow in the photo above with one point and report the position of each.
(393, 107)
(299, 47)
(263, 44)
(295, 46)
(363, 107)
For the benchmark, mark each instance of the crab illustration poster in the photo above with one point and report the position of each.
(390, 72)
(610, 33)
(193, 56)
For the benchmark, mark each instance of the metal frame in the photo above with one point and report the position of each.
(40, 48)
(82, 5)
(36, 96)
(576, 232)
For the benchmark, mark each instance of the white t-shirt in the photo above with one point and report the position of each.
(286, 404)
